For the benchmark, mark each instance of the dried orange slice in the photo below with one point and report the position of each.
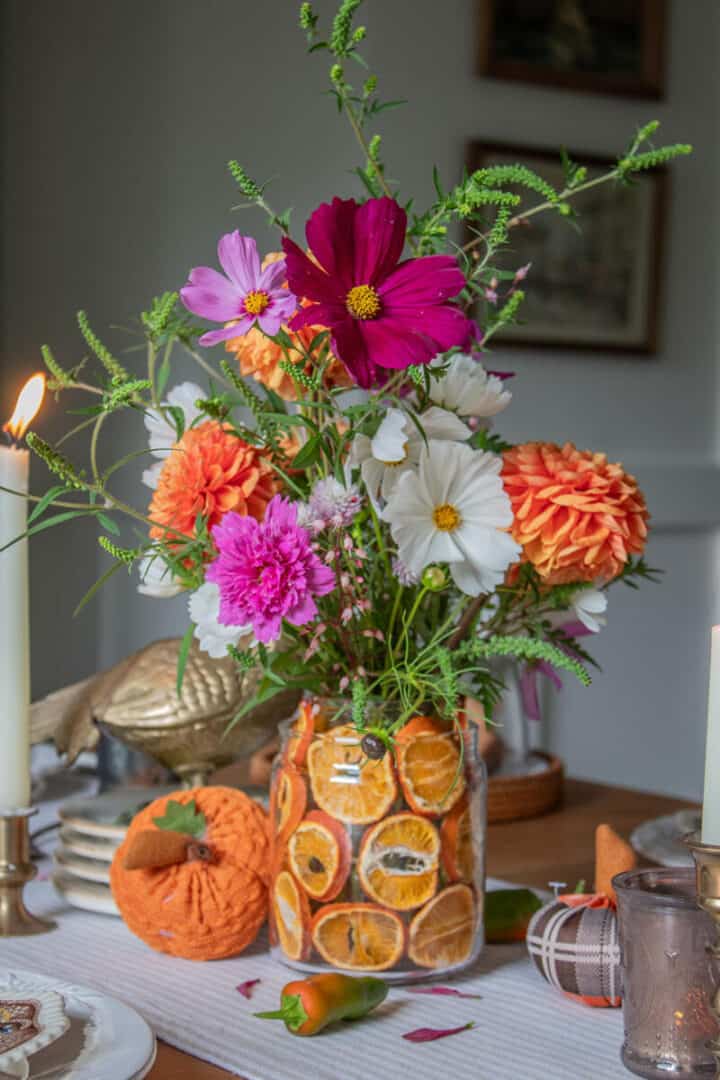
(320, 855)
(456, 843)
(291, 916)
(398, 861)
(429, 767)
(345, 782)
(360, 937)
(309, 720)
(442, 933)
(287, 802)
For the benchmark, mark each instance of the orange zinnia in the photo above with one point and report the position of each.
(209, 472)
(577, 517)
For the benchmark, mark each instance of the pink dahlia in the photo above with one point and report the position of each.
(248, 295)
(383, 313)
(267, 572)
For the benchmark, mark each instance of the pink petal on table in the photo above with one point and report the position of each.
(449, 990)
(245, 988)
(421, 1035)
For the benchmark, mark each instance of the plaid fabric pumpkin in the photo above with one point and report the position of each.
(573, 942)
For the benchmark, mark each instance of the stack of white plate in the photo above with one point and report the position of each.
(92, 830)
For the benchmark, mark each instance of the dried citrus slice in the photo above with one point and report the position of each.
(320, 855)
(398, 861)
(287, 802)
(361, 937)
(291, 916)
(442, 933)
(309, 720)
(345, 782)
(429, 767)
(456, 843)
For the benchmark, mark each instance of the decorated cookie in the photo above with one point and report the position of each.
(28, 1024)
(191, 876)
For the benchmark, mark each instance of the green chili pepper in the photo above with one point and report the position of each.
(309, 1005)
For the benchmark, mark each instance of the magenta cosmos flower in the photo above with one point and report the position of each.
(383, 313)
(267, 572)
(247, 295)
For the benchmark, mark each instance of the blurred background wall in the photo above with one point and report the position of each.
(118, 119)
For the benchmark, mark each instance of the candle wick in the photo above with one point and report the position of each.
(8, 438)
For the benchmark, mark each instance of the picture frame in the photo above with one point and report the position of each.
(601, 46)
(596, 288)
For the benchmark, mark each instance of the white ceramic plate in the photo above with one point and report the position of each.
(90, 847)
(80, 867)
(99, 816)
(106, 1039)
(88, 895)
(660, 840)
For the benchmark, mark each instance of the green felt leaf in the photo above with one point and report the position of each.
(182, 818)
(292, 1012)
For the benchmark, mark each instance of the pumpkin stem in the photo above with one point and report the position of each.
(200, 852)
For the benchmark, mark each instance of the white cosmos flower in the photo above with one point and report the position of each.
(467, 389)
(590, 606)
(214, 636)
(396, 447)
(161, 432)
(157, 579)
(453, 509)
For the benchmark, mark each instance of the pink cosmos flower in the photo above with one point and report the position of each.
(248, 294)
(383, 313)
(267, 572)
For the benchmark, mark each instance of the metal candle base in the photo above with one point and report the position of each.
(707, 870)
(16, 869)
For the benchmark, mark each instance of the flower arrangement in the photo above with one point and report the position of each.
(336, 503)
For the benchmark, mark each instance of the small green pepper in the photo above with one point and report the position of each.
(309, 1005)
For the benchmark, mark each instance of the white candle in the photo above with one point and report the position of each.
(14, 609)
(711, 800)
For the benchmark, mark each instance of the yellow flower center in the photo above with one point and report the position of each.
(363, 302)
(256, 301)
(446, 517)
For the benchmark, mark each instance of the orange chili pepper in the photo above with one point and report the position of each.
(309, 1005)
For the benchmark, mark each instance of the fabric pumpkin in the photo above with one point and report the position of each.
(200, 910)
(573, 942)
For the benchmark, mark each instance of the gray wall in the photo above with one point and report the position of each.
(118, 119)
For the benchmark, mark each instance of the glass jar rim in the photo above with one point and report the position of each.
(646, 886)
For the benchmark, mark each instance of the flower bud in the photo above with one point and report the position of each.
(434, 578)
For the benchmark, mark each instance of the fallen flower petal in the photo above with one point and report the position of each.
(246, 988)
(441, 990)
(430, 1034)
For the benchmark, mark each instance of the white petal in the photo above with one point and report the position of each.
(441, 424)
(390, 441)
(151, 475)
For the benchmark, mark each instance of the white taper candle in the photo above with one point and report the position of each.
(711, 799)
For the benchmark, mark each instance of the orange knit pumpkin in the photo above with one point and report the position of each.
(200, 910)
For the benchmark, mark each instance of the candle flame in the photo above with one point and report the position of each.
(28, 402)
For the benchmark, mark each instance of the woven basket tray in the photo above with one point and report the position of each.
(511, 798)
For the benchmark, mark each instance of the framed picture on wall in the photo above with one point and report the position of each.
(609, 46)
(594, 286)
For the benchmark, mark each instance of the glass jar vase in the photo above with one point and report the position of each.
(378, 852)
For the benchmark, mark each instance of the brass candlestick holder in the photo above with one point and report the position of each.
(707, 876)
(16, 869)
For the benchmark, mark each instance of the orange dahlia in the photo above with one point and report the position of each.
(209, 472)
(577, 517)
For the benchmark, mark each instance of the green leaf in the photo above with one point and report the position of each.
(178, 417)
(53, 493)
(182, 818)
(108, 524)
(308, 454)
(183, 657)
(98, 585)
(163, 375)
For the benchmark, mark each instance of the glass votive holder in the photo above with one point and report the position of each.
(669, 976)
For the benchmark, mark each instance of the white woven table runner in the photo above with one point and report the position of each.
(524, 1029)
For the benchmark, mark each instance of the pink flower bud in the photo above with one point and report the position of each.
(344, 683)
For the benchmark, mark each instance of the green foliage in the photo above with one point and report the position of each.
(522, 648)
(113, 367)
(126, 556)
(342, 39)
(299, 375)
(245, 660)
(55, 461)
(652, 159)
(359, 703)
(124, 393)
(247, 185)
(61, 379)
(182, 818)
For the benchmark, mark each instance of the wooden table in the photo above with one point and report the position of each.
(557, 846)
